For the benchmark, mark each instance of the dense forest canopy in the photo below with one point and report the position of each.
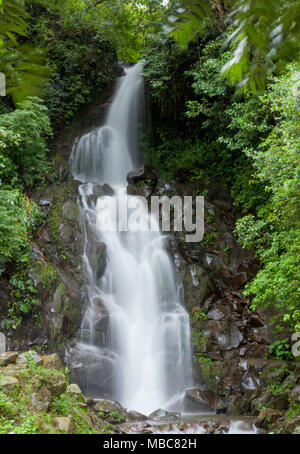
(223, 79)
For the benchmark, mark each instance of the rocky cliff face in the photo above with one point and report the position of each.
(232, 372)
(55, 270)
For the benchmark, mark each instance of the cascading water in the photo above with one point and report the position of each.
(135, 335)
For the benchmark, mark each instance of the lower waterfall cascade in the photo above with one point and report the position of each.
(135, 343)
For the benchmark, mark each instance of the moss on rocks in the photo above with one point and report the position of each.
(38, 401)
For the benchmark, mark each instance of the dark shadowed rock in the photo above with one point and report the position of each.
(280, 402)
(144, 173)
(8, 358)
(201, 400)
(239, 280)
(267, 417)
(96, 253)
(108, 190)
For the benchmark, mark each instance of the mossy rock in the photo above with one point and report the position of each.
(274, 373)
(196, 286)
(70, 211)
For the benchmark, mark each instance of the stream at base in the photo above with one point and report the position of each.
(193, 424)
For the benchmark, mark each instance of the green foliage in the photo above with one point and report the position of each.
(116, 416)
(22, 65)
(18, 415)
(23, 297)
(281, 349)
(263, 34)
(14, 221)
(251, 143)
(47, 274)
(6, 407)
(274, 231)
(23, 135)
(81, 62)
(219, 126)
(62, 404)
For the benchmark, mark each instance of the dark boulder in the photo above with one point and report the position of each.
(143, 174)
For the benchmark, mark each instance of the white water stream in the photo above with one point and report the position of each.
(135, 336)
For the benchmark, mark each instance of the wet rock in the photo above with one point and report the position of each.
(74, 389)
(111, 411)
(31, 355)
(295, 394)
(255, 321)
(98, 190)
(217, 313)
(57, 385)
(63, 423)
(241, 404)
(44, 202)
(97, 255)
(280, 402)
(52, 362)
(135, 416)
(8, 383)
(8, 358)
(274, 372)
(2, 343)
(67, 233)
(107, 406)
(146, 431)
(64, 312)
(70, 211)
(292, 424)
(41, 399)
(229, 338)
(250, 382)
(108, 190)
(133, 190)
(196, 286)
(291, 380)
(142, 174)
(160, 414)
(268, 417)
(202, 400)
(222, 405)
(261, 401)
(239, 280)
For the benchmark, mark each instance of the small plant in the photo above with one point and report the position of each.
(30, 362)
(281, 349)
(196, 315)
(62, 405)
(116, 415)
(276, 388)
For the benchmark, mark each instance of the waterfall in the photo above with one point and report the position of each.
(135, 334)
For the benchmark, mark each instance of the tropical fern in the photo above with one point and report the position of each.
(21, 63)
